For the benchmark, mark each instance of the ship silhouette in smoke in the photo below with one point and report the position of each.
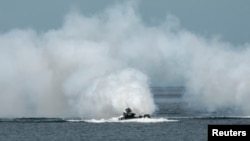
(128, 114)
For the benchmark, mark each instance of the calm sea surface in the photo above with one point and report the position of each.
(172, 122)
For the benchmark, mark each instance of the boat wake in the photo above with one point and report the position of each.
(116, 119)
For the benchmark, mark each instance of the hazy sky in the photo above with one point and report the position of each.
(228, 18)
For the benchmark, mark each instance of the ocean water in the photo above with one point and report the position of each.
(172, 122)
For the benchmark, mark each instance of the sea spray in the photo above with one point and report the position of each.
(112, 93)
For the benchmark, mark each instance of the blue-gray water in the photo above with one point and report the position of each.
(190, 125)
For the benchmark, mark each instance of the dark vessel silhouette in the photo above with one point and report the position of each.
(130, 115)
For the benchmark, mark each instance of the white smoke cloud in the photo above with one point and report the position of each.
(82, 67)
(112, 93)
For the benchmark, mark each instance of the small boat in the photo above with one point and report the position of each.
(130, 115)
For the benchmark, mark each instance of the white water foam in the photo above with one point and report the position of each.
(116, 119)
